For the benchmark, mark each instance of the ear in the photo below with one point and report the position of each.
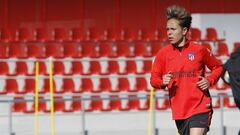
(185, 30)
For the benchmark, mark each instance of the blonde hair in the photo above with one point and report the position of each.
(180, 14)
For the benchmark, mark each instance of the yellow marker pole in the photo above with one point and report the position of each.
(150, 112)
(51, 96)
(36, 98)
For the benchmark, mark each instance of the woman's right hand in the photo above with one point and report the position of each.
(166, 78)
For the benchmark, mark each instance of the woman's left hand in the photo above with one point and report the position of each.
(203, 84)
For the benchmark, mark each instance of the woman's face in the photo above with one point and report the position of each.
(176, 34)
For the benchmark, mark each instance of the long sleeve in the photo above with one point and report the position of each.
(214, 65)
(157, 71)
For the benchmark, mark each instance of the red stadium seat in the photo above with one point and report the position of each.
(88, 49)
(41, 35)
(35, 51)
(87, 85)
(19, 104)
(76, 34)
(123, 49)
(23, 34)
(147, 66)
(106, 49)
(95, 67)
(17, 50)
(211, 34)
(195, 34)
(21, 68)
(144, 35)
(6, 35)
(222, 49)
(114, 103)
(140, 48)
(141, 84)
(11, 86)
(92, 34)
(60, 34)
(72, 50)
(95, 104)
(105, 85)
(113, 67)
(54, 50)
(4, 50)
(30, 85)
(4, 69)
(58, 68)
(123, 84)
(77, 67)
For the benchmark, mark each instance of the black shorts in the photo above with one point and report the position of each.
(202, 120)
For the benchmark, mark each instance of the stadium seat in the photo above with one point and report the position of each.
(123, 49)
(123, 84)
(140, 48)
(30, 85)
(95, 67)
(105, 85)
(147, 66)
(4, 50)
(195, 34)
(141, 84)
(76, 34)
(95, 104)
(60, 34)
(21, 68)
(216, 102)
(87, 85)
(211, 34)
(113, 67)
(30, 105)
(41, 35)
(106, 49)
(23, 35)
(58, 68)
(6, 35)
(19, 104)
(77, 68)
(4, 70)
(72, 50)
(54, 50)
(114, 103)
(222, 49)
(35, 51)
(17, 50)
(92, 34)
(11, 86)
(88, 49)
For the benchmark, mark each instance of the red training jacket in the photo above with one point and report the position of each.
(186, 66)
